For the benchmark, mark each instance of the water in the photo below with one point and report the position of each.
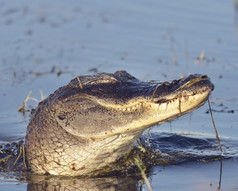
(151, 40)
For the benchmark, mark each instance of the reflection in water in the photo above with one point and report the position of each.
(219, 186)
(48, 183)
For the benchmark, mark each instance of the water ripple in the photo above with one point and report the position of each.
(175, 148)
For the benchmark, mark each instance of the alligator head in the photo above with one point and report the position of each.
(94, 120)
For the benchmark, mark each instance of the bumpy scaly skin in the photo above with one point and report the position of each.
(93, 121)
(51, 149)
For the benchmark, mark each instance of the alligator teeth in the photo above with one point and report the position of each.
(129, 108)
(196, 96)
(157, 106)
(164, 106)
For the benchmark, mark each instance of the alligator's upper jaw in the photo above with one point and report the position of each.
(128, 94)
(188, 91)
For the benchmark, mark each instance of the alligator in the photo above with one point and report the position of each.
(96, 119)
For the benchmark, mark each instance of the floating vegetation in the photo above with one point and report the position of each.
(24, 108)
(139, 164)
(5, 159)
(23, 153)
(202, 59)
(12, 157)
(53, 70)
(223, 109)
(202, 55)
(142, 168)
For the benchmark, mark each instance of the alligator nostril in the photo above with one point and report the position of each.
(204, 76)
(174, 82)
(166, 83)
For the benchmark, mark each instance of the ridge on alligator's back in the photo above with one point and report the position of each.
(93, 121)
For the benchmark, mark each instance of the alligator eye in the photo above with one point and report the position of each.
(166, 83)
(204, 76)
(61, 117)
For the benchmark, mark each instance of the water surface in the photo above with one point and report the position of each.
(45, 44)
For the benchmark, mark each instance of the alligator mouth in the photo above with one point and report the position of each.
(164, 103)
(189, 95)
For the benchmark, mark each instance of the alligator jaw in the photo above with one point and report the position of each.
(180, 105)
(183, 101)
(183, 97)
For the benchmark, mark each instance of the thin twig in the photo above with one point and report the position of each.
(42, 95)
(138, 164)
(155, 91)
(214, 126)
(24, 156)
(80, 84)
(24, 104)
(19, 155)
(219, 185)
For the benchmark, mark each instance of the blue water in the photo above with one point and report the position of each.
(159, 40)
